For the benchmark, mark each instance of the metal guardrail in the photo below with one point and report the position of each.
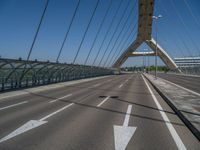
(16, 74)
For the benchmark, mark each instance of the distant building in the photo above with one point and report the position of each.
(186, 62)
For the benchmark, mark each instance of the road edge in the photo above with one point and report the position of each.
(190, 126)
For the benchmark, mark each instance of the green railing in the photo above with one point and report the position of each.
(16, 74)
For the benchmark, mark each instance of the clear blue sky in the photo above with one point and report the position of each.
(19, 19)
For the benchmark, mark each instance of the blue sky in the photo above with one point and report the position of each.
(19, 20)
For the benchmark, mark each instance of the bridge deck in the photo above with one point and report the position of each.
(93, 108)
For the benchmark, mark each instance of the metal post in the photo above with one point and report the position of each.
(156, 63)
(156, 50)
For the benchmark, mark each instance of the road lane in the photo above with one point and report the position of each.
(75, 99)
(40, 107)
(84, 125)
(192, 83)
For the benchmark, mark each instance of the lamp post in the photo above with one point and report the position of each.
(146, 63)
(156, 19)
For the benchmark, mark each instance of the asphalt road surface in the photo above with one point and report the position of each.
(113, 113)
(189, 82)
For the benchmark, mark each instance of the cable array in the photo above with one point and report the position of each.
(38, 29)
(99, 29)
(91, 18)
(66, 35)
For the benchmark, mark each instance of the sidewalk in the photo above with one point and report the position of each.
(184, 102)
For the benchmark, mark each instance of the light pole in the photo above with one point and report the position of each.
(156, 18)
(146, 63)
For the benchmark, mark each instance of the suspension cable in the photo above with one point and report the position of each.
(116, 28)
(99, 29)
(108, 30)
(179, 35)
(38, 29)
(122, 49)
(122, 39)
(186, 29)
(69, 28)
(191, 13)
(120, 33)
(91, 18)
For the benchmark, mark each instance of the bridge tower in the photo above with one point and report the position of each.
(144, 34)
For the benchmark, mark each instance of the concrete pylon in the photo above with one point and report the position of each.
(145, 35)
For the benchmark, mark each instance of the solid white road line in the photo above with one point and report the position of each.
(97, 85)
(13, 105)
(124, 83)
(193, 92)
(32, 124)
(124, 133)
(127, 117)
(55, 112)
(121, 85)
(60, 98)
(170, 127)
(103, 101)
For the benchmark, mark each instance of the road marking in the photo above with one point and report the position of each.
(13, 105)
(170, 127)
(55, 112)
(123, 134)
(127, 117)
(60, 98)
(32, 124)
(8, 96)
(120, 85)
(123, 83)
(97, 85)
(103, 101)
(26, 127)
(193, 92)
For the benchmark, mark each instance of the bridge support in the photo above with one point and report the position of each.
(145, 35)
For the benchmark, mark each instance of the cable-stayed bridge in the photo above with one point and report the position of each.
(62, 86)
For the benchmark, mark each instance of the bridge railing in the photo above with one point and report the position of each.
(16, 74)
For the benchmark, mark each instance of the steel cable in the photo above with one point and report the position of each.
(99, 29)
(120, 48)
(186, 29)
(91, 18)
(123, 37)
(115, 30)
(123, 27)
(110, 26)
(191, 13)
(38, 29)
(69, 28)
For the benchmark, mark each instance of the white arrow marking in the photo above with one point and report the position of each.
(26, 127)
(32, 124)
(123, 134)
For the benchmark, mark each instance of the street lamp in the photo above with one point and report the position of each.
(156, 18)
(146, 63)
